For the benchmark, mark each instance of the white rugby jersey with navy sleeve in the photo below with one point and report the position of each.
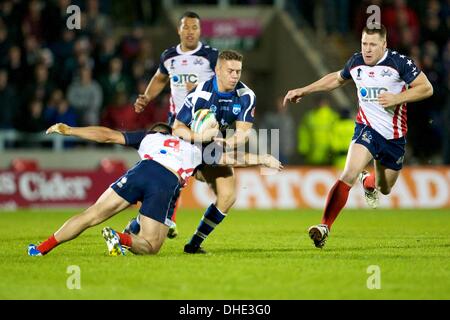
(228, 107)
(170, 151)
(393, 73)
(192, 66)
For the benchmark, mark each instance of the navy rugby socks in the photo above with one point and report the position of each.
(210, 220)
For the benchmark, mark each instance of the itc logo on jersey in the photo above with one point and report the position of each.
(181, 79)
(370, 94)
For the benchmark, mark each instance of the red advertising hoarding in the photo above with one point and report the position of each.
(53, 188)
(294, 187)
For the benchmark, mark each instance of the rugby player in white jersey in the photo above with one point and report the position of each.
(166, 163)
(385, 80)
(184, 65)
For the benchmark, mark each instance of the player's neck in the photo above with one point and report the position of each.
(222, 88)
(183, 48)
(380, 58)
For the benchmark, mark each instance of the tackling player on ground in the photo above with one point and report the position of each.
(166, 163)
(385, 80)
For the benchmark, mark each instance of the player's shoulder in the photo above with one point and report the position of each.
(169, 53)
(203, 90)
(207, 48)
(242, 89)
(207, 52)
(355, 60)
(202, 87)
(152, 134)
(207, 85)
(396, 59)
(245, 94)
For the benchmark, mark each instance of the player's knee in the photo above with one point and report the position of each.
(349, 177)
(148, 249)
(226, 199)
(151, 251)
(152, 246)
(156, 247)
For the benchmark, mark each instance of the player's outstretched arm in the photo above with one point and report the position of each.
(420, 89)
(243, 159)
(97, 134)
(154, 88)
(329, 82)
(239, 137)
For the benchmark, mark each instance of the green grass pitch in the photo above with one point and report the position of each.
(251, 255)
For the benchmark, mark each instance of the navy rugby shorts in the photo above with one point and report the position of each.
(152, 184)
(390, 152)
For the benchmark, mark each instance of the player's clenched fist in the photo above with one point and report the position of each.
(294, 96)
(60, 128)
(141, 102)
(210, 133)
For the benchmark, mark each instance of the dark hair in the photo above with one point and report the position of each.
(375, 29)
(161, 127)
(189, 14)
(230, 55)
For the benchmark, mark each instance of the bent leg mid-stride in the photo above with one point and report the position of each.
(357, 158)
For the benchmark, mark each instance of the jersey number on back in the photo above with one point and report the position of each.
(172, 143)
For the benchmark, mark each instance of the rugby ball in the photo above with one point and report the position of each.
(203, 119)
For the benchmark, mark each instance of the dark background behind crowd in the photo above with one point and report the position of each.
(91, 76)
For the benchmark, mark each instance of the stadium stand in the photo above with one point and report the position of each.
(47, 72)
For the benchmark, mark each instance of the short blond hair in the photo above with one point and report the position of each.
(230, 55)
(376, 29)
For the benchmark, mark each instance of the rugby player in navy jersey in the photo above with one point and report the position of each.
(385, 80)
(184, 65)
(233, 104)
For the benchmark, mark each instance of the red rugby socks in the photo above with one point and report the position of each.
(125, 239)
(47, 245)
(337, 198)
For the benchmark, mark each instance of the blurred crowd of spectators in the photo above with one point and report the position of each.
(90, 76)
(50, 74)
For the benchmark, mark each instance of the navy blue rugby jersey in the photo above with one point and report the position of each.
(228, 107)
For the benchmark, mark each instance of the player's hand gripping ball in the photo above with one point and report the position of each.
(203, 119)
(205, 124)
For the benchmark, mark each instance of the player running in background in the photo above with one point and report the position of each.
(166, 163)
(233, 103)
(184, 66)
(385, 80)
